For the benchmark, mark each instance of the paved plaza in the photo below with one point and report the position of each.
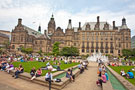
(85, 81)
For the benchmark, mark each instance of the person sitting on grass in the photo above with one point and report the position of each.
(48, 77)
(37, 74)
(130, 74)
(68, 75)
(122, 72)
(32, 72)
(11, 67)
(65, 61)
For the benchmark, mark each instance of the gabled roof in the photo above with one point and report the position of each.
(32, 32)
(92, 25)
(4, 35)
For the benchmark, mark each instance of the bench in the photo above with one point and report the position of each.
(107, 86)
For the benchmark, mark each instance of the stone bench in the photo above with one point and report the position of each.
(41, 80)
(107, 86)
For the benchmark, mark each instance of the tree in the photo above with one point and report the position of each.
(69, 51)
(40, 52)
(55, 51)
(26, 50)
(126, 52)
(1, 50)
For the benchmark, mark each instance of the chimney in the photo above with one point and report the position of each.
(97, 19)
(19, 21)
(113, 24)
(79, 24)
(45, 32)
(39, 29)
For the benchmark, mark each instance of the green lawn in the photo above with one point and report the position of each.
(30, 64)
(126, 68)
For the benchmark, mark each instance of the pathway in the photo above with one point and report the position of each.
(85, 81)
(7, 82)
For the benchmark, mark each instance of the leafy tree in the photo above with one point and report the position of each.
(133, 52)
(1, 50)
(26, 50)
(126, 52)
(55, 51)
(29, 50)
(69, 51)
(40, 52)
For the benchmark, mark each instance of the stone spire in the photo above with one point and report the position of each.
(124, 25)
(39, 29)
(51, 25)
(69, 24)
(19, 22)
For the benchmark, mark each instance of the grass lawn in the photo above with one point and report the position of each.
(30, 64)
(126, 68)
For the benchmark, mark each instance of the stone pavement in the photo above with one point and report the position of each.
(7, 82)
(85, 81)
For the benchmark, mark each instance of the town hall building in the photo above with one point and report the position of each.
(92, 37)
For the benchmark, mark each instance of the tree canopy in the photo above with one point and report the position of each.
(26, 50)
(69, 51)
(55, 51)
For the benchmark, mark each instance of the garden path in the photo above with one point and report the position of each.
(85, 81)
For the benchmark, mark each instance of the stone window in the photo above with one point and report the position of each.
(118, 51)
(13, 39)
(127, 45)
(111, 45)
(21, 39)
(101, 51)
(40, 42)
(119, 45)
(83, 50)
(97, 38)
(92, 50)
(126, 38)
(111, 51)
(13, 46)
(97, 50)
(106, 51)
(74, 44)
(83, 45)
(87, 44)
(35, 42)
(97, 45)
(101, 44)
(87, 50)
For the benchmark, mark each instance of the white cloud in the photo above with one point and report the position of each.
(41, 14)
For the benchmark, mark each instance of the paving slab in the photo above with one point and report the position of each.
(85, 81)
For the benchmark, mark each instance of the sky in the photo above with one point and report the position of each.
(38, 12)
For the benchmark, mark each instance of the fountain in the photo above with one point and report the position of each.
(96, 56)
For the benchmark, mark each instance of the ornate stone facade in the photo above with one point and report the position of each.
(90, 38)
(4, 39)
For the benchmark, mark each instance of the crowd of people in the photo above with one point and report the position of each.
(102, 73)
(129, 74)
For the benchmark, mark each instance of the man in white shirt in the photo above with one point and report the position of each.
(48, 76)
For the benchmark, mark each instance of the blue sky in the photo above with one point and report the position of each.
(40, 11)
